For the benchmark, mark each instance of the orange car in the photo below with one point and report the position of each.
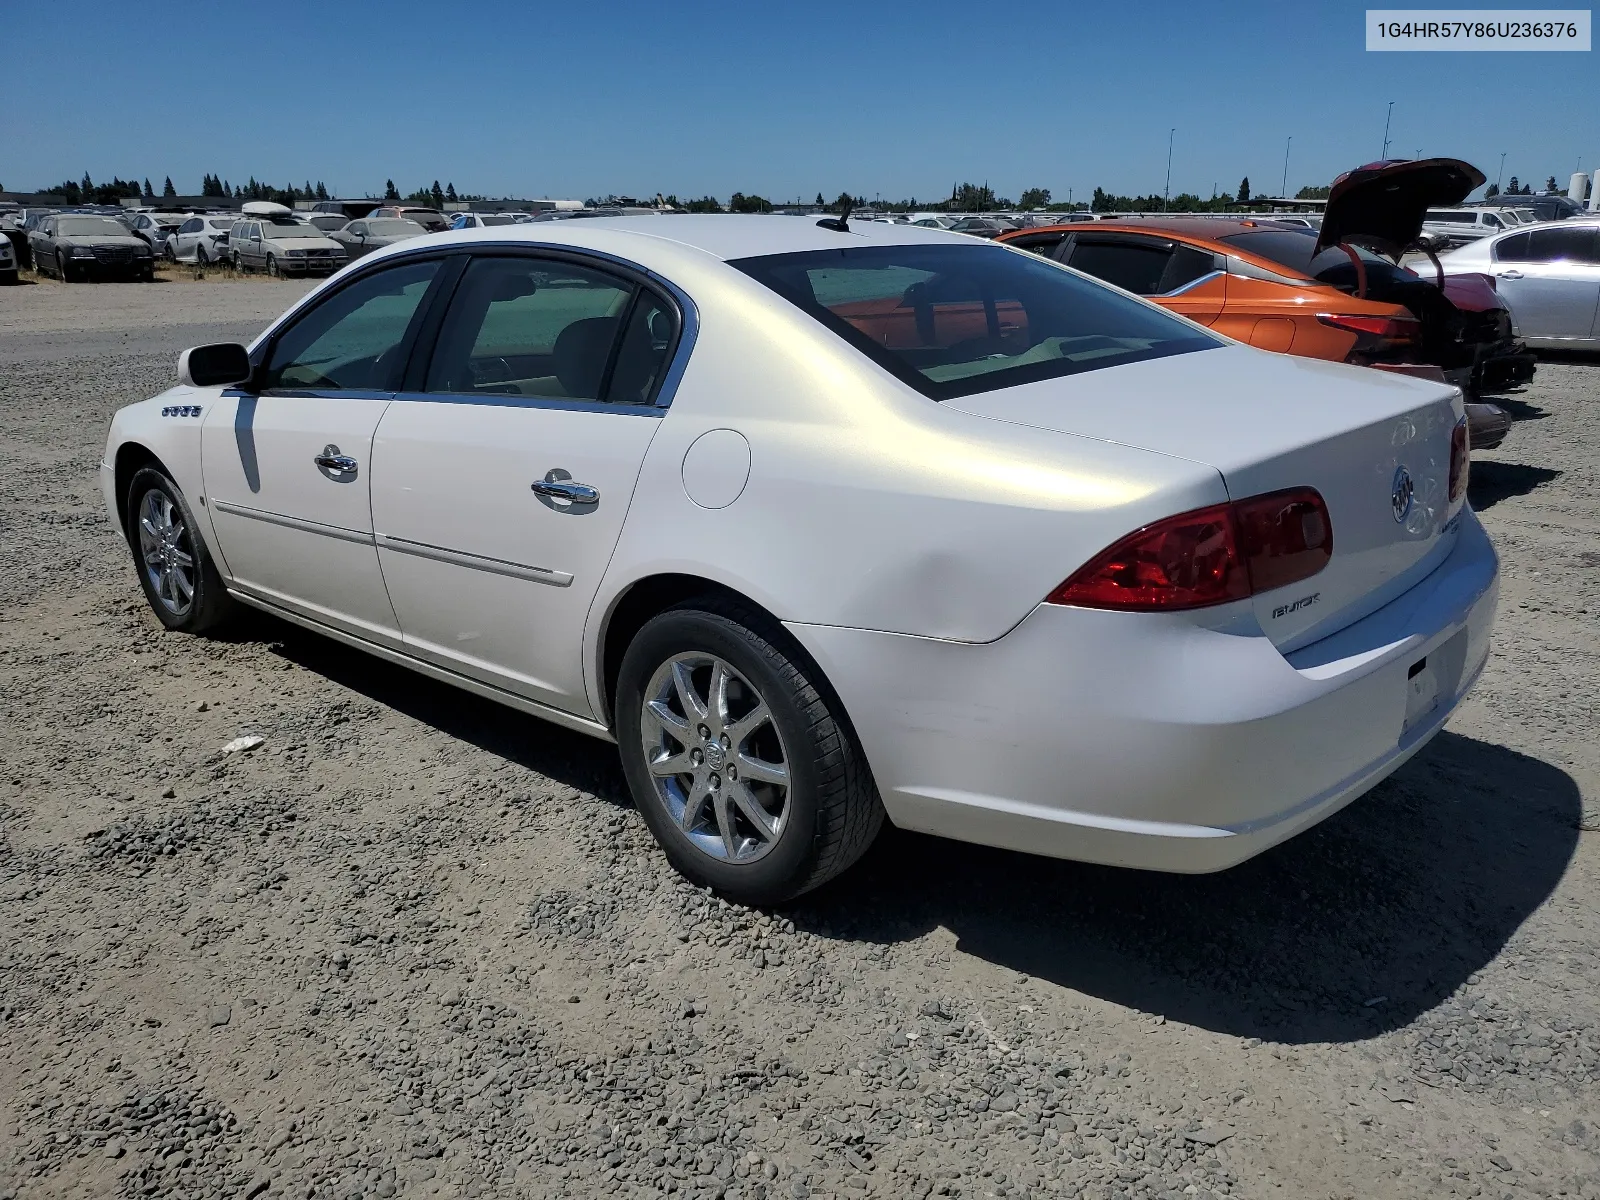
(1201, 268)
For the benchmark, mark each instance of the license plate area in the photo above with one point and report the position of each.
(1422, 692)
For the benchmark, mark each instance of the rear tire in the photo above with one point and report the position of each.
(200, 256)
(724, 820)
(175, 569)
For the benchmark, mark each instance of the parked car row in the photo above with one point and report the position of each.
(1337, 292)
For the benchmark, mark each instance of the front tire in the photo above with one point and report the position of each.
(272, 267)
(179, 579)
(62, 269)
(737, 755)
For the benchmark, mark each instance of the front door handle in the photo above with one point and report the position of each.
(1509, 274)
(331, 462)
(557, 485)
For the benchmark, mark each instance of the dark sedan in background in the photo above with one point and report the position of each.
(77, 247)
(374, 233)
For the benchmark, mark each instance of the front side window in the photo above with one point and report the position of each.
(540, 328)
(955, 320)
(352, 340)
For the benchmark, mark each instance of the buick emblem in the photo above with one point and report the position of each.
(1401, 493)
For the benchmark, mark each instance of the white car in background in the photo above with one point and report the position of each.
(482, 220)
(824, 526)
(1549, 277)
(202, 239)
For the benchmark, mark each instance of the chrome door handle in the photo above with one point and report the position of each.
(1509, 274)
(332, 460)
(565, 489)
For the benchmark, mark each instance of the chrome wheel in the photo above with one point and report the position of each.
(164, 546)
(715, 757)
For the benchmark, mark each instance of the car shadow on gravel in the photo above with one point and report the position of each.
(1402, 896)
(564, 755)
(1350, 929)
(1491, 482)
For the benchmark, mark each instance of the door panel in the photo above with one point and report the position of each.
(1550, 300)
(1202, 301)
(292, 531)
(486, 577)
(542, 377)
(288, 470)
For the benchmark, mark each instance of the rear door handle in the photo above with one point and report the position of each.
(558, 485)
(332, 462)
(1509, 274)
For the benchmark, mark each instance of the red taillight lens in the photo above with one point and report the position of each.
(1285, 537)
(1375, 333)
(1208, 556)
(1188, 561)
(1460, 460)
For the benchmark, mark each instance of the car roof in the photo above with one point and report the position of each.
(724, 236)
(1207, 229)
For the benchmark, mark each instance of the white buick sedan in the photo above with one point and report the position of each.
(829, 523)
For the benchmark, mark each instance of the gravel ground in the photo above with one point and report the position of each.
(415, 944)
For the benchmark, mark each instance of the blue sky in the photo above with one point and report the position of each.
(783, 100)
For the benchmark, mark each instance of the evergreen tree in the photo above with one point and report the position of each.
(390, 192)
(147, 189)
(87, 185)
(322, 192)
(437, 193)
(1244, 190)
(450, 192)
(166, 189)
(820, 200)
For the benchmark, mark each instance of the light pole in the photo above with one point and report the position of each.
(1284, 190)
(1386, 117)
(1166, 188)
(1501, 175)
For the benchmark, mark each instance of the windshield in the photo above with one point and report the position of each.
(90, 227)
(955, 320)
(394, 227)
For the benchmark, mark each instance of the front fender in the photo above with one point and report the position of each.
(165, 428)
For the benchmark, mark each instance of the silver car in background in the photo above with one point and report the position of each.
(1548, 275)
(282, 243)
(374, 233)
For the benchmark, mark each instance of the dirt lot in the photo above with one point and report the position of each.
(415, 944)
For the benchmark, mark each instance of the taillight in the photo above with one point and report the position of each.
(1208, 556)
(1375, 333)
(1460, 460)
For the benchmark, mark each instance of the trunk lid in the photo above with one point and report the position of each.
(1374, 444)
(1383, 204)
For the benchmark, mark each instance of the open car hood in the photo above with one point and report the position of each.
(1383, 203)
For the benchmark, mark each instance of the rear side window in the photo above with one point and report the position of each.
(1566, 244)
(549, 329)
(1132, 266)
(956, 320)
(351, 340)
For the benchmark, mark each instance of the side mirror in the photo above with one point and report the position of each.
(216, 365)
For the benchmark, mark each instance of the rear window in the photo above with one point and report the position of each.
(955, 320)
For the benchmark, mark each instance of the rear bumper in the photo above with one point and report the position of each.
(1146, 741)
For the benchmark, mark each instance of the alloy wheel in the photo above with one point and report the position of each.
(168, 555)
(715, 757)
